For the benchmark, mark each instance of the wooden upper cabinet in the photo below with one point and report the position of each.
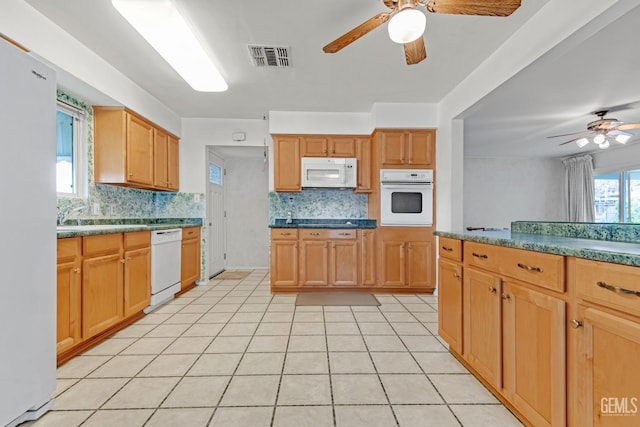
(363, 155)
(131, 151)
(406, 148)
(287, 175)
(328, 146)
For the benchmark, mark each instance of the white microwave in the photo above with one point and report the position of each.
(328, 172)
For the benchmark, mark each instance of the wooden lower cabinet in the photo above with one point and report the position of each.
(483, 324)
(314, 263)
(450, 304)
(328, 258)
(343, 262)
(69, 293)
(190, 258)
(534, 357)
(137, 272)
(406, 258)
(367, 239)
(284, 263)
(102, 293)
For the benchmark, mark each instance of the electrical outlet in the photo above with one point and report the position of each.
(196, 198)
(112, 210)
(96, 209)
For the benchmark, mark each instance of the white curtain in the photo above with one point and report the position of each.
(579, 189)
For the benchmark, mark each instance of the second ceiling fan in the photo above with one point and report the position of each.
(407, 23)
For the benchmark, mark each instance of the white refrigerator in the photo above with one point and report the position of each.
(28, 236)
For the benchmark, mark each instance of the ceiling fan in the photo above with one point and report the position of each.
(407, 23)
(601, 132)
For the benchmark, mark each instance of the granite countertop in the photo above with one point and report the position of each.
(94, 227)
(324, 223)
(618, 252)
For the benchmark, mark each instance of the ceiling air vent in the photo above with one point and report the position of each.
(270, 56)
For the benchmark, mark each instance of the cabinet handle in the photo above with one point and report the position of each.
(344, 234)
(447, 249)
(456, 275)
(129, 259)
(314, 234)
(529, 268)
(506, 297)
(617, 289)
(123, 261)
(130, 174)
(575, 323)
(76, 270)
(481, 256)
(285, 234)
(492, 289)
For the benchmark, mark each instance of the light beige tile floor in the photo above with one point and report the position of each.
(231, 354)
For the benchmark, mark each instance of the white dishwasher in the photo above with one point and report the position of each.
(166, 248)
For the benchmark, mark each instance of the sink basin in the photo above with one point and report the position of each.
(96, 227)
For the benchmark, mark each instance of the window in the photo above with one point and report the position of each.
(70, 151)
(215, 174)
(617, 197)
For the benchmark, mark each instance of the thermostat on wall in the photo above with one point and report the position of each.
(238, 136)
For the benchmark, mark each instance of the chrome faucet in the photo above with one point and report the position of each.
(289, 218)
(63, 213)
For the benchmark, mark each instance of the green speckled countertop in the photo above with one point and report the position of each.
(94, 227)
(614, 251)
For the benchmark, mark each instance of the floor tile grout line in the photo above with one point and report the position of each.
(326, 345)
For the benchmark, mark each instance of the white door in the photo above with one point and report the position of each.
(215, 215)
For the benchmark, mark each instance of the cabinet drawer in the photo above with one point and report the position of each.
(284, 234)
(327, 233)
(544, 270)
(137, 239)
(450, 249)
(101, 244)
(69, 248)
(613, 285)
(190, 233)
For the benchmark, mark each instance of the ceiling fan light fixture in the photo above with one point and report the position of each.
(407, 25)
(166, 30)
(582, 142)
(604, 144)
(623, 139)
(600, 139)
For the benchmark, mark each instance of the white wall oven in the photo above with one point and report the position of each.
(406, 197)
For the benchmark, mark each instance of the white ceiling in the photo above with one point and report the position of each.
(553, 95)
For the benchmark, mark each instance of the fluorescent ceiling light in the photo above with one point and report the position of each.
(160, 23)
(407, 25)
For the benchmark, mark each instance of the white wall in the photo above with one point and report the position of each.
(247, 206)
(498, 191)
(197, 134)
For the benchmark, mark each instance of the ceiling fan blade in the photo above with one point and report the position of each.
(629, 126)
(616, 132)
(570, 134)
(571, 140)
(415, 51)
(359, 31)
(474, 7)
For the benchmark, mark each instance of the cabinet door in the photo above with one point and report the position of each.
(419, 268)
(173, 163)
(102, 293)
(139, 151)
(534, 358)
(392, 146)
(314, 265)
(367, 257)
(69, 304)
(287, 164)
(450, 304)
(343, 263)
(392, 263)
(342, 146)
(315, 146)
(420, 149)
(190, 262)
(137, 280)
(160, 156)
(608, 366)
(482, 324)
(363, 155)
(284, 263)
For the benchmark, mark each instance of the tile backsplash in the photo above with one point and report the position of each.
(318, 204)
(122, 202)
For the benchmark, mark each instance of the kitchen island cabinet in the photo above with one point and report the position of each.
(450, 293)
